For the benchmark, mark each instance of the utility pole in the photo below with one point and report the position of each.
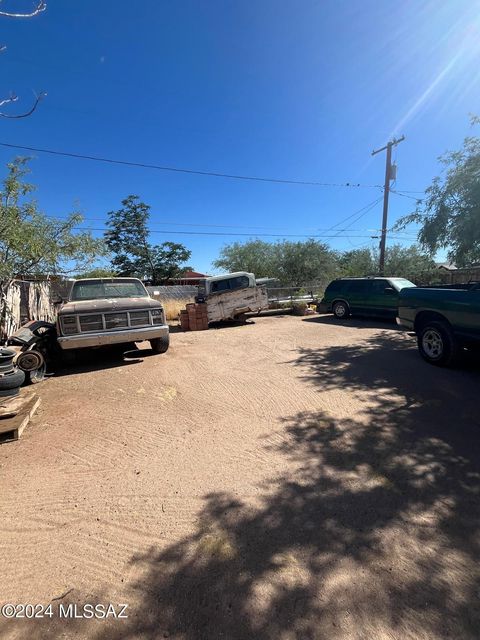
(386, 191)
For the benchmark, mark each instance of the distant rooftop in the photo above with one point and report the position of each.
(448, 266)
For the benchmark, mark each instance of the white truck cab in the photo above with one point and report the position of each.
(231, 295)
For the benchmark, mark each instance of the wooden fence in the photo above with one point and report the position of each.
(26, 301)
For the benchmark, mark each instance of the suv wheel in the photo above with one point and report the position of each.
(341, 310)
(437, 344)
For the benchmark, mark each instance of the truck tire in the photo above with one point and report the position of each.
(340, 310)
(10, 383)
(160, 345)
(437, 343)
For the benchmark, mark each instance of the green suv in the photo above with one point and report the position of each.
(363, 296)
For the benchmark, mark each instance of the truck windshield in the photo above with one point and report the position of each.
(402, 283)
(95, 290)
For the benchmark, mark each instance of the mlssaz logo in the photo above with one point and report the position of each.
(88, 611)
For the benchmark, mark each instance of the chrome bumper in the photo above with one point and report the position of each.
(101, 338)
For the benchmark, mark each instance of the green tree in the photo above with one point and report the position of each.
(96, 272)
(449, 217)
(399, 261)
(407, 262)
(254, 256)
(292, 263)
(32, 243)
(133, 255)
(358, 262)
(300, 263)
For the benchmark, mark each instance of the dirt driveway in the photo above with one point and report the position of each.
(291, 478)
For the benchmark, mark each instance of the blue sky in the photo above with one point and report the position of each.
(290, 89)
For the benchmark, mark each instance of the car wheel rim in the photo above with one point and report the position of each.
(340, 310)
(432, 344)
(38, 375)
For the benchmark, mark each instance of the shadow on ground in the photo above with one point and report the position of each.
(86, 360)
(356, 323)
(372, 532)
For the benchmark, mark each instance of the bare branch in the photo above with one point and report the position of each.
(14, 98)
(41, 6)
(11, 98)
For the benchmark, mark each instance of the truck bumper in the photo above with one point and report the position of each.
(82, 341)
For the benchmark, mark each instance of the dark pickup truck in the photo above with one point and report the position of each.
(445, 320)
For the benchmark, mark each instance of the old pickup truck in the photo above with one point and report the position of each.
(106, 311)
(445, 320)
(232, 295)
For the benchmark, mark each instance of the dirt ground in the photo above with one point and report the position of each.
(293, 478)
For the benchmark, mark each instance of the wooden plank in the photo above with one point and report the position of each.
(9, 407)
(12, 428)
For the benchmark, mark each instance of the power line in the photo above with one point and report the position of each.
(366, 209)
(214, 174)
(220, 226)
(228, 234)
(405, 195)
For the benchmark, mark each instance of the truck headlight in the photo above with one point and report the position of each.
(157, 316)
(69, 324)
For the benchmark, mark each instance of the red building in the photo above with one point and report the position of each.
(189, 277)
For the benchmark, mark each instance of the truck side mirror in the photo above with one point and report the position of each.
(389, 290)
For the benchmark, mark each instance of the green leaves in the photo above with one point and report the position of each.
(133, 255)
(300, 263)
(449, 218)
(292, 263)
(31, 243)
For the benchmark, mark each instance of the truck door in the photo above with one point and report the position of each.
(466, 312)
(383, 299)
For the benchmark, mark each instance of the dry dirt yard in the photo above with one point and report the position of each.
(289, 478)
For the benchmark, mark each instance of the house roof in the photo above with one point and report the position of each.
(193, 274)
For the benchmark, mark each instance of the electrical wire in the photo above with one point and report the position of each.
(228, 234)
(365, 209)
(215, 174)
(362, 214)
(405, 195)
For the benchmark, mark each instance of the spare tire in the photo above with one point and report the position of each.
(30, 360)
(12, 380)
(6, 360)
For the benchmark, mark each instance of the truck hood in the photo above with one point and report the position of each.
(108, 304)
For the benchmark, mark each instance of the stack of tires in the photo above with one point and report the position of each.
(11, 378)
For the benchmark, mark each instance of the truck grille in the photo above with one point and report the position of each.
(110, 321)
(139, 318)
(116, 320)
(91, 322)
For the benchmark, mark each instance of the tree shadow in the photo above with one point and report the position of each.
(357, 322)
(372, 531)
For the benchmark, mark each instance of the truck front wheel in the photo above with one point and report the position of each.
(160, 345)
(437, 344)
